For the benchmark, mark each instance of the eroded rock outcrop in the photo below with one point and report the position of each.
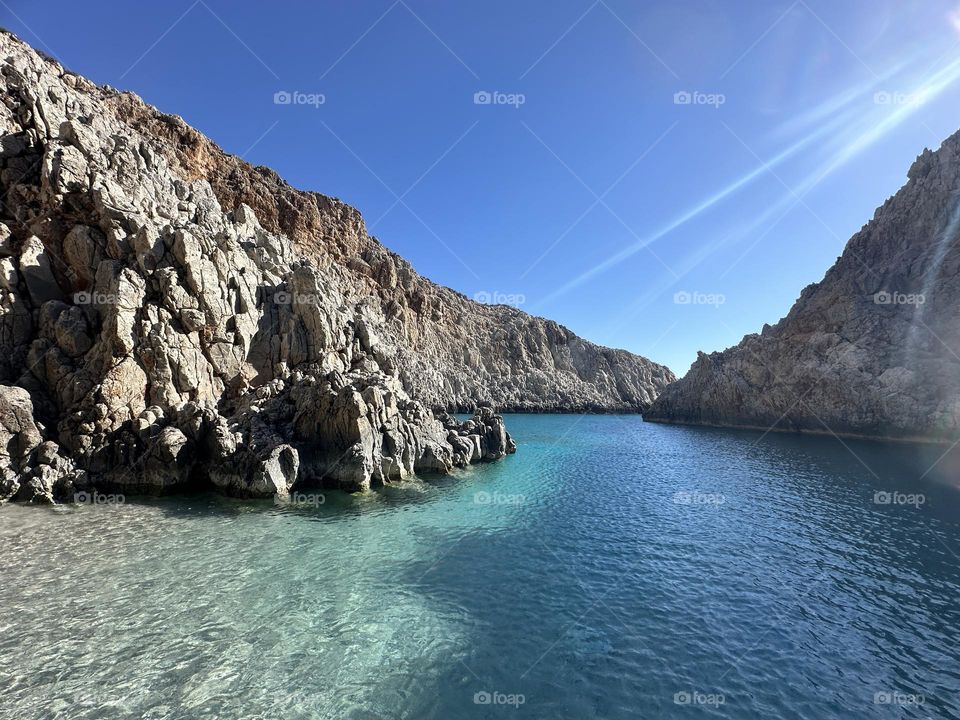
(872, 350)
(464, 353)
(156, 336)
(31, 468)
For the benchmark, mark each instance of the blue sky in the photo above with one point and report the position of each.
(659, 176)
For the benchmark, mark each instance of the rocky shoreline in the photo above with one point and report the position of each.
(159, 333)
(252, 462)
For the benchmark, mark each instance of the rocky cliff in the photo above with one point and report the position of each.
(172, 317)
(447, 350)
(872, 350)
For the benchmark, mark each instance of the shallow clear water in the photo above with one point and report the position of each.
(610, 569)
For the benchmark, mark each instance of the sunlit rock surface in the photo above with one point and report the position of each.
(872, 350)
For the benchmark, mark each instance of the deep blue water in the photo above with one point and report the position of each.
(610, 569)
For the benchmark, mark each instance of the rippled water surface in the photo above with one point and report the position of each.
(610, 569)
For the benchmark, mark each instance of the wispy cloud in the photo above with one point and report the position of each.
(699, 209)
(918, 97)
(842, 100)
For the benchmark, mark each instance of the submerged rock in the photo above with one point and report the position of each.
(872, 350)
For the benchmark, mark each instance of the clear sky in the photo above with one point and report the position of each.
(663, 176)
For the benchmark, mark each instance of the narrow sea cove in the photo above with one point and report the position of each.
(609, 569)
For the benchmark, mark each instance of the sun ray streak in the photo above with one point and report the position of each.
(854, 133)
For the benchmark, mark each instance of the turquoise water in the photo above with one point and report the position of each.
(610, 569)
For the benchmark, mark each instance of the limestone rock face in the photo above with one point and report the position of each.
(872, 350)
(171, 317)
(448, 351)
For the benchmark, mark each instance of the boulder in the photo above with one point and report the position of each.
(31, 469)
(37, 273)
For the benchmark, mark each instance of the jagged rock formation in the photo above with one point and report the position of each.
(31, 469)
(465, 353)
(154, 335)
(872, 350)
